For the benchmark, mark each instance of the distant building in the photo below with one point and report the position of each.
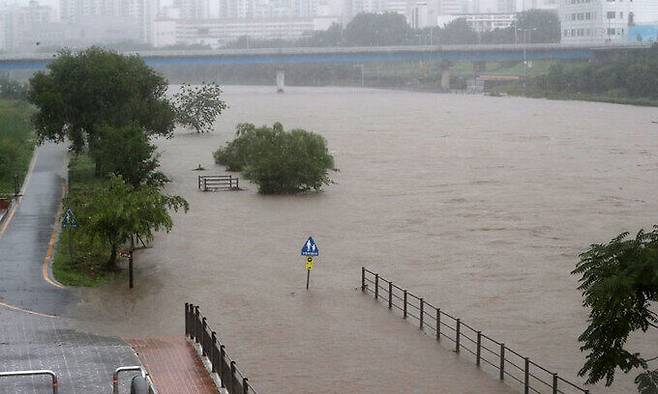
(596, 21)
(482, 22)
(25, 28)
(644, 33)
(420, 16)
(218, 32)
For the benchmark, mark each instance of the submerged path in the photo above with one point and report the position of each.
(32, 335)
(26, 239)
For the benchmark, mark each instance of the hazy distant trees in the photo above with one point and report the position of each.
(539, 26)
(619, 281)
(384, 29)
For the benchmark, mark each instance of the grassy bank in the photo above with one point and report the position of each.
(16, 143)
(83, 267)
(517, 89)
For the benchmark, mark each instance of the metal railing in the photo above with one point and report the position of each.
(218, 182)
(32, 373)
(145, 375)
(485, 350)
(230, 376)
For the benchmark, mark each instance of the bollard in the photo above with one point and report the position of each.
(390, 295)
(502, 361)
(526, 380)
(405, 305)
(422, 312)
(376, 287)
(438, 324)
(555, 390)
(457, 329)
(478, 354)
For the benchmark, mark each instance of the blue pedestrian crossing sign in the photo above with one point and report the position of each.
(69, 220)
(310, 248)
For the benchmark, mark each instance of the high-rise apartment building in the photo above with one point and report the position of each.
(596, 20)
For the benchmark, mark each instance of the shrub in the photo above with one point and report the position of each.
(278, 161)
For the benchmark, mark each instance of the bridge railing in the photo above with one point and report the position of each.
(484, 350)
(231, 378)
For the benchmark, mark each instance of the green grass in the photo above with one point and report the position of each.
(16, 143)
(85, 269)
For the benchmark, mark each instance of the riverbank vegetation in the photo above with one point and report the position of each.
(278, 161)
(110, 107)
(16, 135)
(628, 78)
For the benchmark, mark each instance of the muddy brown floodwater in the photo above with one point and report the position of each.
(479, 204)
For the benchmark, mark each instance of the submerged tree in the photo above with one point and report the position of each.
(619, 282)
(199, 106)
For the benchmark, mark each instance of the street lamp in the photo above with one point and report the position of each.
(525, 54)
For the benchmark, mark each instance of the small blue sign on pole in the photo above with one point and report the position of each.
(69, 220)
(310, 248)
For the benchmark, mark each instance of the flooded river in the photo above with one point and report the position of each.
(479, 204)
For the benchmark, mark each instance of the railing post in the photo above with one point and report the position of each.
(457, 329)
(237, 183)
(222, 376)
(478, 352)
(404, 312)
(363, 279)
(196, 323)
(422, 312)
(213, 351)
(245, 386)
(55, 384)
(205, 188)
(233, 368)
(390, 295)
(502, 361)
(526, 380)
(187, 320)
(376, 287)
(203, 336)
(438, 324)
(555, 383)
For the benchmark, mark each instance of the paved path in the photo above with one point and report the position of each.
(174, 365)
(24, 244)
(31, 334)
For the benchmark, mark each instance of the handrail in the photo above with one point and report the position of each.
(34, 372)
(230, 377)
(145, 375)
(435, 321)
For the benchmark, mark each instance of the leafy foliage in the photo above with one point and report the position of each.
(126, 151)
(118, 211)
(199, 106)
(618, 280)
(647, 382)
(276, 160)
(16, 142)
(80, 92)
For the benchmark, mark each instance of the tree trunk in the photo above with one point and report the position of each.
(112, 262)
(97, 170)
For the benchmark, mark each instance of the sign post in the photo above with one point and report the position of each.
(310, 250)
(69, 222)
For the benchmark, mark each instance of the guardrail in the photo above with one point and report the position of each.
(486, 351)
(32, 373)
(145, 375)
(230, 376)
(218, 182)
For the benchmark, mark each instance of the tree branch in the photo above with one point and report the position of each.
(652, 325)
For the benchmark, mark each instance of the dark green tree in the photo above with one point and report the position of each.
(384, 29)
(81, 92)
(619, 281)
(458, 32)
(119, 211)
(126, 151)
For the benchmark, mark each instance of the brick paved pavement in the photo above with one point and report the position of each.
(83, 362)
(174, 365)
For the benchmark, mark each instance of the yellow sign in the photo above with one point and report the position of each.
(309, 263)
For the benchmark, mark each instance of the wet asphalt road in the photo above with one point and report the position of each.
(24, 244)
